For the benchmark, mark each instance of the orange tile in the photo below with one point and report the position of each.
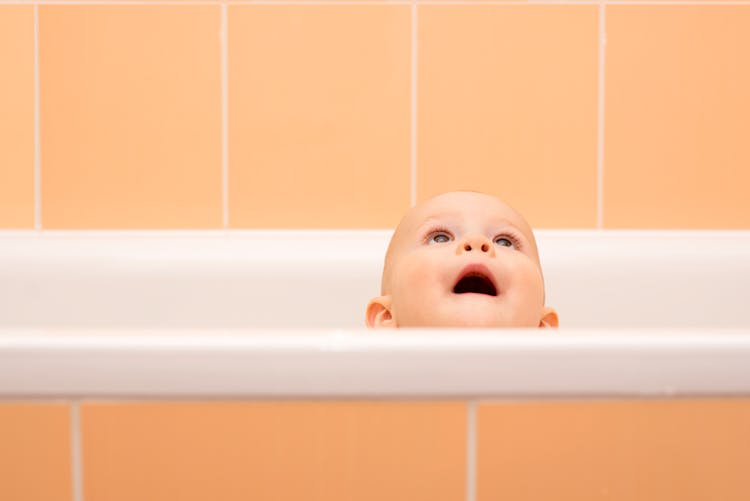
(324, 451)
(687, 450)
(130, 116)
(35, 452)
(677, 103)
(625, 2)
(16, 116)
(508, 106)
(319, 119)
(478, 1)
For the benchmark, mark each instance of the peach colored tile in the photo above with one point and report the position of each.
(625, 2)
(482, 1)
(687, 450)
(325, 451)
(319, 119)
(35, 452)
(130, 116)
(677, 102)
(94, 2)
(508, 106)
(16, 116)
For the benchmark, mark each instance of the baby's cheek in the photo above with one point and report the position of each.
(414, 291)
(526, 279)
(418, 274)
(534, 301)
(533, 281)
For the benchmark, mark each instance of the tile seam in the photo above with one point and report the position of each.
(224, 78)
(37, 130)
(385, 232)
(75, 450)
(602, 47)
(384, 2)
(414, 55)
(471, 450)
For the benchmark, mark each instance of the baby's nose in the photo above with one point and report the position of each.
(476, 243)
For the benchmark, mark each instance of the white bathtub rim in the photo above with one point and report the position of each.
(363, 364)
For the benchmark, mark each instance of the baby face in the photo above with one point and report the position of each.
(462, 259)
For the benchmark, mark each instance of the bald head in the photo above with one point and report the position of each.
(461, 259)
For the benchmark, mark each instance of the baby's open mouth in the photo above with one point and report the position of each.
(477, 280)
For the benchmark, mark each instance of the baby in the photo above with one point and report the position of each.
(461, 259)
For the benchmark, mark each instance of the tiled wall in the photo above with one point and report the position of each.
(665, 450)
(160, 115)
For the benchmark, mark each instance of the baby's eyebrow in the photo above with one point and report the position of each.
(449, 218)
(435, 220)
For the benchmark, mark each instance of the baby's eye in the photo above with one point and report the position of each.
(504, 241)
(439, 237)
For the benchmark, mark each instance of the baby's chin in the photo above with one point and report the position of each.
(463, 320)
(475, 323)
(467, 310)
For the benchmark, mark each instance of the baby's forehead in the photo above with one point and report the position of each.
(462, 207)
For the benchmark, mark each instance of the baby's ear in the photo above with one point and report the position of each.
(549, 318)
(379, 313)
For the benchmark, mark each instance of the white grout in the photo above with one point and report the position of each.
(371, 2)
(75, 451)
(37, 130)
(213, 2)
(224, 117)
(323, 2)
(600, 119)
(471, 450)
(414, 42)
(384, 232)
(104, 2)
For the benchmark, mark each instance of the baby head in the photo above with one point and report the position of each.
(461, 259)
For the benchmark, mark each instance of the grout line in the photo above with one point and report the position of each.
(471, 450)
(616, 2)
(250, 233)
(600, 119)
(375, 2)
(37, 130)
(413, 178)
(224, 44)
(76, 464)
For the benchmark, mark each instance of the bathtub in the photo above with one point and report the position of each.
(149, 365)
(213, 314)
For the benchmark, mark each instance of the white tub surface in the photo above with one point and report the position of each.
(323, 279)
(44, 363)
